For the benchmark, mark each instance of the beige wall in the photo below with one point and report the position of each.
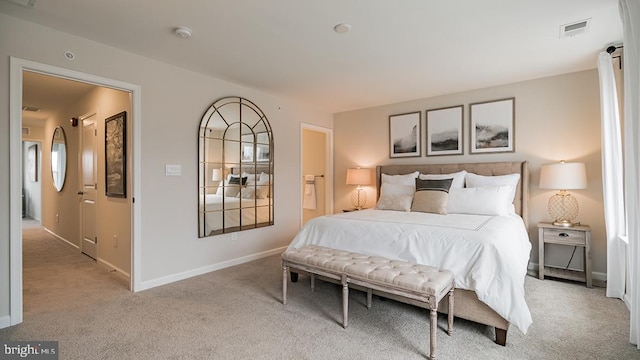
(556, 118)
(173, 101)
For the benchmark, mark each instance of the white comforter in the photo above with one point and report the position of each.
(487, 254)
(249, 211)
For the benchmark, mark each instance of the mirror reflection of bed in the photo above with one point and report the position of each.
(240, 206)
(235, 180)
(483, 238)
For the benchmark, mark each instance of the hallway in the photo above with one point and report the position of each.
(57, 277)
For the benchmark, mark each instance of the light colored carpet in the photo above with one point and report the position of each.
(236, 313)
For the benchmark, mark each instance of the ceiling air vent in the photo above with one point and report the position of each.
(25, 131)
(575, 28)
(25, 3)
(31, 108)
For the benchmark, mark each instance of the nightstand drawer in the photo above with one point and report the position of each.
(565, 236)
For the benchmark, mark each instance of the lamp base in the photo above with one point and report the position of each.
(563, 207)
(359, 198)
(565, 223)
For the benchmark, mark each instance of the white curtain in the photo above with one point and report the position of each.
(630, 14)
(612, 175)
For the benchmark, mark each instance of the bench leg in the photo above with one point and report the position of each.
(432, 332)
(450, 315)
(284, 284)
(294, 277)
(369, 296)
(345, 301)
(313, 283)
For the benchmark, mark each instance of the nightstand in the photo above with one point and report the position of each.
(579, 235)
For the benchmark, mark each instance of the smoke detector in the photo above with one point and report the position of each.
(342, 28)
(182, 32)
(575, 28)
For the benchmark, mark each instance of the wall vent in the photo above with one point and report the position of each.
(25, 131)
(31, 108)
(575, 28)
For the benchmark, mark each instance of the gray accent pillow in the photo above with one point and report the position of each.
(431, 196)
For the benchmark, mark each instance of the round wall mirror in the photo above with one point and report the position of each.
(58, 158)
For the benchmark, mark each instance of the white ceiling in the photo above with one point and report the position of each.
(396, 50)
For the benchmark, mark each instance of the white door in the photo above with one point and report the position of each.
(88, 175)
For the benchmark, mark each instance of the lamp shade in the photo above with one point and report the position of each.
(217, 175)
(563, 176)
(358, 176)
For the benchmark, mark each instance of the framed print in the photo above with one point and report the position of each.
(444, 131)
(115, 149)
(492, 125)
(404, 135)
(32, 162)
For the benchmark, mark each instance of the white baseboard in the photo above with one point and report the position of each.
(5, 321)
(207, 269)
(61, 238)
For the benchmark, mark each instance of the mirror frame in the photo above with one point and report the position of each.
(63, 176)
(239, 146)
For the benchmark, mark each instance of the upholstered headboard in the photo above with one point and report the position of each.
(487, 168)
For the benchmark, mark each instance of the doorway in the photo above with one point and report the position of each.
(317, 171)
(17, 67)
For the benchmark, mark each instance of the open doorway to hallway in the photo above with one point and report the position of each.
(118, 214)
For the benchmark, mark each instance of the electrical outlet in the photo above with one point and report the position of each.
(115, 241)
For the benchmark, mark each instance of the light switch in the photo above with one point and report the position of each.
(173, 170)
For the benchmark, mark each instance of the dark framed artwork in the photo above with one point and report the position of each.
(115, 148)
(32, 162)
(444, 131)
(492, 125)
(404, 135)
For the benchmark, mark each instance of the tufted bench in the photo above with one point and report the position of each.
(424, 284)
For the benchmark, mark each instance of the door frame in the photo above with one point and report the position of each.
(328, 176)
(16, 67)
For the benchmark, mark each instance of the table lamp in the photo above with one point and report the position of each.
(563, 176)
(217, 175)
(358, 177)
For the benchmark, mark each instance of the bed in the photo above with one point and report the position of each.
(243, 200)
(488, 254)
(238, 213)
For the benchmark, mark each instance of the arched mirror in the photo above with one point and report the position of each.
(58, 158)
(235, 176)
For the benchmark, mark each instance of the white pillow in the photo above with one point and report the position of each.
(250, 177)
(407, 179)
(488, 200)
(475, 180)
(458, 178)
(262, 189)
(397, 189)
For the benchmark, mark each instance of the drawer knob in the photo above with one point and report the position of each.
(563, 235)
